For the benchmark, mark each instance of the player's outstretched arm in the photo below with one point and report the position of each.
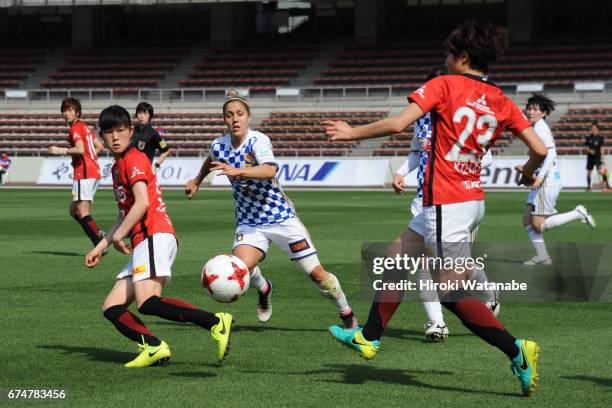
(259, 172)
(193, 185)
(93, 257)
(77, 150)
(338, 131)
(162, 157)
(537, 154)
(138, 210)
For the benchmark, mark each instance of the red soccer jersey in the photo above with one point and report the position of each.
(134, 166)
(86, 166)
(467, 116)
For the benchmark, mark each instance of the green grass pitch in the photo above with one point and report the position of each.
(53, 334)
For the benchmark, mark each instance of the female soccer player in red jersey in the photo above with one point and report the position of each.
(468, 113)
(84, 149)
(143, 217)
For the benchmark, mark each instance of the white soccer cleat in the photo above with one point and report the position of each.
(586, 217)
(264, 305)
(494, 304)
(537, 261)
(436, 331)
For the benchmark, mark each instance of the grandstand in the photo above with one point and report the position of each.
(327, 69)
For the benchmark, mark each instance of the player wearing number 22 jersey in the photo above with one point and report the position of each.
(467, 115)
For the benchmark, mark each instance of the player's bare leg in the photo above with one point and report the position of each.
(251, 256)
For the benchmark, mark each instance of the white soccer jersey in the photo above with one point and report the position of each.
(549, 168)
(258, 202)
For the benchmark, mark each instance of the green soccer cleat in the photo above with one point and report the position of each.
(221, 334)
(150, 355)
(353, 339)
(525, 365)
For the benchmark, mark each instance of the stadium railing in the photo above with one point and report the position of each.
(309, 93)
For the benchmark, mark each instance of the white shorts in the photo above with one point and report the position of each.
(417, 224)
(152, 258)
(84, 190)
(454, 224)
(543, 199)
(290, 235)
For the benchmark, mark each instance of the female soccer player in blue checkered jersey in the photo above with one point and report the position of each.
(153, 247)
(540, 214)
(468, 114)
(435, 328)
(264, 213)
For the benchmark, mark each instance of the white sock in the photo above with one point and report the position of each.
(432, 305)
(332, 290)
(537, 240)
(557, 220)
(258, 281)
(480, 276)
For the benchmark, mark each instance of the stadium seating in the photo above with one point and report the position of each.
(32, 134)
(572, 128)
(190, 134)
(259, 67)
(292, 133)
(123, 68)
(301, 133)
(405, 65)
(16, 64)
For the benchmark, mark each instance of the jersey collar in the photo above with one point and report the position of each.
(480, 79)
(130, 147)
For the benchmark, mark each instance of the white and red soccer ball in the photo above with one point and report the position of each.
(226, 278)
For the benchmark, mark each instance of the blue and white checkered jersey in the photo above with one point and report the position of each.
(258, 202)
(421, 142)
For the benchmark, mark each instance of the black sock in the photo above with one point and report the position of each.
(605, 179)
(477, 317)
(130, 325)
(384, 306)
(91, 229)
(178, 310)
(589, 180)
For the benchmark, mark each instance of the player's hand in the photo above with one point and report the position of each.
(338, 131)
(121, 246)
(537, 182)
(191, 188)
(56, 151)
(225, 169)
(399, 184)
(93, 257)
(519, 168)
(526, 180)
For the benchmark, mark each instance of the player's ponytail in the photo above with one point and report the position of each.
(483, 42)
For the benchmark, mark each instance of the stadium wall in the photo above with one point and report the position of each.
(321, 172)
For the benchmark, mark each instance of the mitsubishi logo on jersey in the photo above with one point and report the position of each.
(136, 172)
(480, 104)
(421, 91)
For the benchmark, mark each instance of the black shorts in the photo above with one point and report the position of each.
(593, 161)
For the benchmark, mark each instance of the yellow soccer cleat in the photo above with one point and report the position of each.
(221, 334)
(525, 365)
(150, 355)
(353, 339)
